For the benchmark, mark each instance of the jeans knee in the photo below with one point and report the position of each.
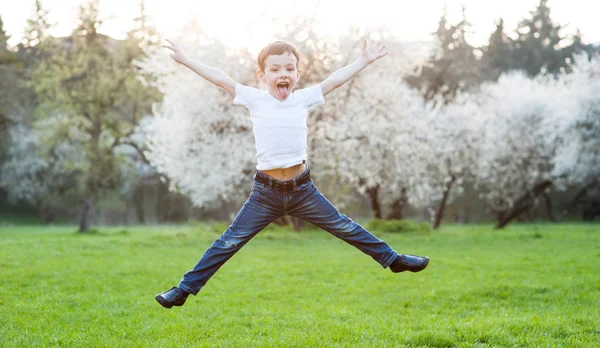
(227, 245)
(227, 242)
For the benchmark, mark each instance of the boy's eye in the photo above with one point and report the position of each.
(290, 69)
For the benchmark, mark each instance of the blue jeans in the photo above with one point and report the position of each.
(266, 205)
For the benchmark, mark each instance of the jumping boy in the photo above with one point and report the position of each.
(282, 183)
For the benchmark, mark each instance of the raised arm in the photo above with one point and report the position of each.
(371, 51)
(214, 75)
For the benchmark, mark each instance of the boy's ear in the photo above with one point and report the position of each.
(298, 73)
(260, 74)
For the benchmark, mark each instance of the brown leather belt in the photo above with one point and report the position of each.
(284, 186)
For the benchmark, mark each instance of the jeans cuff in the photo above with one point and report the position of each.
(389, 261)
(188, 289)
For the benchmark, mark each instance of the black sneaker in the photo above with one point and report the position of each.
(411, 263)
(173, 297)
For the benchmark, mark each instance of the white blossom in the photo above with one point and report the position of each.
(197, 138)
(374, 126)
(40, 167)
(533, 132)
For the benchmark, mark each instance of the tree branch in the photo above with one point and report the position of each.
(137, 148)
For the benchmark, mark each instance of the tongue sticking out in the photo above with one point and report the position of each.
(283, 90)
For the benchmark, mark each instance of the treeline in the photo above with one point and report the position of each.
(77, 118)
(70, 109)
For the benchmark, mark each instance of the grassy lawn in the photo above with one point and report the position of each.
(527, 286)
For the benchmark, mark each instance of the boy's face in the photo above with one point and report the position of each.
(280, 74)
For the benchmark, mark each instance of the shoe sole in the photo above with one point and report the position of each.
(423, 266)
(419, 269)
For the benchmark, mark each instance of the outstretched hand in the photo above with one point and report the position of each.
(373, 50)
(178, 54)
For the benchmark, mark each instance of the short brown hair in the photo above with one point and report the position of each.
(276, 48)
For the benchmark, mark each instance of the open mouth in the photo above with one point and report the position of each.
(283, 88)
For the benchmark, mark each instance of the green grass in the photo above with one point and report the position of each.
(527, 286)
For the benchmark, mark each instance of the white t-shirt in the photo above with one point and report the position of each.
(279, 126)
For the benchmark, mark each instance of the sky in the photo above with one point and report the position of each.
(246, 23)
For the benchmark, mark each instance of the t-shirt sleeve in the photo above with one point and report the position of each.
(245, 95)
(313, 95)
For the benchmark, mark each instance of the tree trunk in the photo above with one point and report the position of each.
(162, 201)
(298, 224)
(549, 209)
(287, 220)
(522, 204)
(397, 207)
(94, 181)
(373, 193)
(439, 214)
(138, 203)
(88, 213)
(282, 221)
